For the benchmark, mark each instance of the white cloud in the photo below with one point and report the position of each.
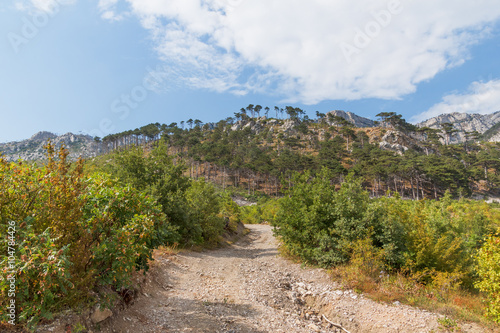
(481, 97)
(109, 10)
(309, 51)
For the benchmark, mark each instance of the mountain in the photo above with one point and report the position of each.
(354, 119)
(388, 138)
(487, 125)
(32, 148)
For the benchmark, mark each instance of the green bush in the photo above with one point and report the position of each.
(204, 206)
(263, 212)
(434, 241)
(192, 206)
(41, 273)
(317, 223)
(119, 229)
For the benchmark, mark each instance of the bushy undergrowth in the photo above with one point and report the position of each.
(77, 235)
(195, 207)
(73, 234)
(433, 243)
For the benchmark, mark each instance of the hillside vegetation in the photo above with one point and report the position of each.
(257, 152)
(76, 232)
(72, 238)
(427, 253)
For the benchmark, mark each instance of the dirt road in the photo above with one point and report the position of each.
(246, 287)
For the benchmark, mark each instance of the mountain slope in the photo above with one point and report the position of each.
(84, 145)
(464, 122)
(32, 148)
(354, 119)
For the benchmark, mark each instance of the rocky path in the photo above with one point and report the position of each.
(247, 288)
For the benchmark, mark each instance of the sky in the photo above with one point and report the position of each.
(104, 66)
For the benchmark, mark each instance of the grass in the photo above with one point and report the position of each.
(455, 303)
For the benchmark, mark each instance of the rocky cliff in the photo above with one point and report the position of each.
(464, 122)
(32, 148)
(354, 119)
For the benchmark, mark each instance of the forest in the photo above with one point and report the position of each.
(78, 230)
(256, 153)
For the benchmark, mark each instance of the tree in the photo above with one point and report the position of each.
(267, 109)
(348, 133)
(320, 116)
(250, 108)
(257, 110)
(448, 129)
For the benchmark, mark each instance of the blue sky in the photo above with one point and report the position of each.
(104, 66)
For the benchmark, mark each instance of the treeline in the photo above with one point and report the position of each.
(72, 234)
(256, 153)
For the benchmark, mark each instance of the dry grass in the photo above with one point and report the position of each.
(455, 303)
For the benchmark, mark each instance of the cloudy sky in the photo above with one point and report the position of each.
(104, 66)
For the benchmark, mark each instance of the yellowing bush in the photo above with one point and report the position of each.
(488, 269)
(72, 234)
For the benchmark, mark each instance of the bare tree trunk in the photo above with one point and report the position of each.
(224, 178)
(412, 189)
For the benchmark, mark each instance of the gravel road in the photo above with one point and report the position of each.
(247, 287)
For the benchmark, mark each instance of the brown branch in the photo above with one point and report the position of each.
(336, 325)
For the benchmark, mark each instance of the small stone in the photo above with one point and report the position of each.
(301, 285)
(314, 328)
(100, 315)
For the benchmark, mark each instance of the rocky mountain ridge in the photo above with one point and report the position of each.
(32, 149)
(488, 126)
(465, 122)
(354, 119)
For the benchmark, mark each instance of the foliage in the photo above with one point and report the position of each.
(193, 207)
(435, 240)
(79, 233)
(41, 273)
(231, 212)
(488, 268)
(263, 212)
(428, 249)
(120, 228)
(319, 224)
(204, 208)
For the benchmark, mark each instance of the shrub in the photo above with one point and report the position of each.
(79, 233)
(41, 274)
(318, 224)
(204, 207)
(488, 269)
(119, 229)
(264, 211)
(192, 206)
